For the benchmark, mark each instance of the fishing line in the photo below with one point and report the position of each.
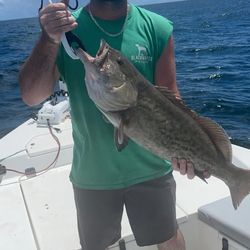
(68, 5)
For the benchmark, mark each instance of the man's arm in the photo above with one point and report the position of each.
(39, 73)
(165, 72)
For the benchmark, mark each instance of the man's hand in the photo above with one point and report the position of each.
(186, 168)
(55, 19)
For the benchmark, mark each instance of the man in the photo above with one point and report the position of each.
(104, 179)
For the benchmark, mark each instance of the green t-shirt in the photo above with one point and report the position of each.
(96, 162)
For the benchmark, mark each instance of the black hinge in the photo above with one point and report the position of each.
(224, 244)
(122, 244)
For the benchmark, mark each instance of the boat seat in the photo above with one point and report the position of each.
(232, 223)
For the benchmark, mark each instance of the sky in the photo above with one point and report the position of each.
(15, 9)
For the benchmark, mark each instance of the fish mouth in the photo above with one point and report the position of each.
(100, 56)
(84, 56)
(102, 52)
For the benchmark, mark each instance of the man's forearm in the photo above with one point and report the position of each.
(39, 73)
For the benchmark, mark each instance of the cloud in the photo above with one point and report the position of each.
(1, 3)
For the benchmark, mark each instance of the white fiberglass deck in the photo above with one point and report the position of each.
(39, 213)
(47, 201)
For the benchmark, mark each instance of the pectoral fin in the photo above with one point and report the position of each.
(121, 140)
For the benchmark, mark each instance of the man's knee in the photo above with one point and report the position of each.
(177, 242)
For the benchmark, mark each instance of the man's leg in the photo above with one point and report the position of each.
(175, 243)
(99, 214)
(151, 211)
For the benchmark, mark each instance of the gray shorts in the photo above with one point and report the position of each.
(150, 207)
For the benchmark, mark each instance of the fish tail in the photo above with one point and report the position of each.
(240, 187)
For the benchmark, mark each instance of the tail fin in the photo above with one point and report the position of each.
(240, 187)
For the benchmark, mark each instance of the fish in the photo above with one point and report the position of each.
(158, 120)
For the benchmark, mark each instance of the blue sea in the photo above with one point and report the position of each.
(212, 46)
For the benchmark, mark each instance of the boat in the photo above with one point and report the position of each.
(37, 210)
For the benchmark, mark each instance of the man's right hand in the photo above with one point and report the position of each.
(55, 19)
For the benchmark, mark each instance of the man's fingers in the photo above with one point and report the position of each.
(63, 28)
(186, 168)
(59, 15)
(66, 2)
(54, 16)
(183, 166)
(66, 28)
(206, 174)
(53, 8)
(47, 23)
(190, 170)
(179, 165)
(64, 22)
(56, 28)
(175, 164)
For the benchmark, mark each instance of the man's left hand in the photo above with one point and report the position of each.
(186, 168)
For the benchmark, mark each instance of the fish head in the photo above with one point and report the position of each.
(107, 79)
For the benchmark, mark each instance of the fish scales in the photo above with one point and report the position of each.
(164, 132)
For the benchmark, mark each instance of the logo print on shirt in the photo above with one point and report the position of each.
(141, 50)
(142, 56)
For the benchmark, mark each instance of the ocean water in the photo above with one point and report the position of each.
(212, 47)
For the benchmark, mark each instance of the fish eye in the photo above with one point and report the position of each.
(119, 61)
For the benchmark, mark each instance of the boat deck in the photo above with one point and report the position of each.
(39, 213)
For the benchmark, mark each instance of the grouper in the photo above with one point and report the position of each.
(156, 119)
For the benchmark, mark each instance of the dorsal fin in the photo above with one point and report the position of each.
(175, 99)
(214, 131)
(167, 92)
